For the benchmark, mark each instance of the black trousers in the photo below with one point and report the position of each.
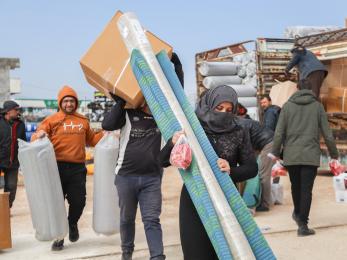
(11, 180)
(316, 79)
(73, 182)
(302, 179)
(195, 242)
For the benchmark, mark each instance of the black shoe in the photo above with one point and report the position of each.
(73, 233)
(296, 218)
(261, 208)
(58, 245)
(304, 231)
(127, 256)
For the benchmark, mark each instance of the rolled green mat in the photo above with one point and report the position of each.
(168, 125)
(255, 238)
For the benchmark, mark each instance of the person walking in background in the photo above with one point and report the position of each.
(69, 133)
(309, 67)
(11, 128)
(301, 121)
(261, 140)
(271, 112)
(138, 172)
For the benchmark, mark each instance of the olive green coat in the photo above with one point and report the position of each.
(299, 126)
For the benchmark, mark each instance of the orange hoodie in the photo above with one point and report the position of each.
(69, 133)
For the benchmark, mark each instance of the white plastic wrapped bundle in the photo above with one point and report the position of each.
(209, 68)
(43, 188)
(244, 90)
(134, 37)
(301, 31)
(248, 101)
(214, 81)
(251, 69)
(242, 72)
(105, 197)
(250, 81)
(253, 113)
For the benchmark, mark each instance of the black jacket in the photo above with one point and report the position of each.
(235, 147)
(260, 135)
(9, 133)
(306, 62)
(271, 115)
(140, 140)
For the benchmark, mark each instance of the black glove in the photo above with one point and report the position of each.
(286, 73)
(116, 98)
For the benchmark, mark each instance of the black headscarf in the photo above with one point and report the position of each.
(212, 121)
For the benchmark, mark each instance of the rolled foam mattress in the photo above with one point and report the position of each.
(214, 81)
(215, 68)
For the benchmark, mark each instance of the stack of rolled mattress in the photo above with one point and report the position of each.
(240, 74)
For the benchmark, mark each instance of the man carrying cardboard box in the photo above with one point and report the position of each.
(138, 172)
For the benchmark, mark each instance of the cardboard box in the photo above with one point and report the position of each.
(106, 64)
(337, 100)
(337, 73)
(5, 227)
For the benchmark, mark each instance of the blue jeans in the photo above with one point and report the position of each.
(145, 191)
(10, 181)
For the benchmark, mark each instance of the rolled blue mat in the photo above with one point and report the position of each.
(254, 236)
(168, 125)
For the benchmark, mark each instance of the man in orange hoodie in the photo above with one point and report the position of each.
(69, 133)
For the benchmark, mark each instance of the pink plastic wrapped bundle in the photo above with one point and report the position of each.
(336, 167)
(278, 170)
(181, 154)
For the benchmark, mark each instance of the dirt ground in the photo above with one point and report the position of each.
(327, 217)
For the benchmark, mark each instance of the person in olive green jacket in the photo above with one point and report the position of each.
(300, 124)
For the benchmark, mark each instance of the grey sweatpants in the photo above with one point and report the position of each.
(265, 166)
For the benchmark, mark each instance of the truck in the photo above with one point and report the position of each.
(271, 57)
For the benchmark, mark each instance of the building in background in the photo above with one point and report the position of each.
(8, 86)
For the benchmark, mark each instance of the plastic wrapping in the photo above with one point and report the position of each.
(301, 31)
(278, 170)
(250, 81)
(181, 154)
(244, 90)
(336, 167)
(253, 113)
(248, 101)
(43, 188)
(209, 68)
(251, 70)
(105, 198)
(340, 187)
(134, 38)
(277, 193)
(214, 81)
